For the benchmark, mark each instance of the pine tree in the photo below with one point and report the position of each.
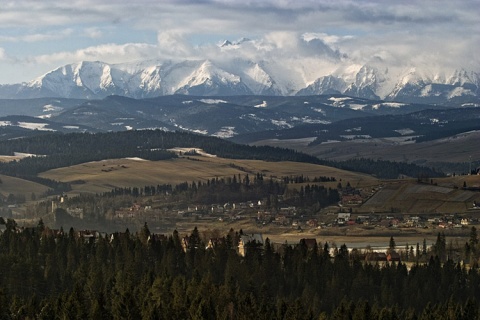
(144, 234)
(391, 245)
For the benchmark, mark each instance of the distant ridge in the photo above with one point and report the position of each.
(95, 79)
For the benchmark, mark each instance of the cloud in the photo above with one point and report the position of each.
(112, 53)
(248, 16)
(3, 55)
(93, 32)
(440, 32)
(39, 37)
(272, 46)
(172, 44)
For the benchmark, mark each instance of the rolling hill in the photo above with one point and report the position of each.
(103, 176)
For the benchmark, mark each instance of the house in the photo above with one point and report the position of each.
(342, 218)
(282, 220)
(88, 236)
(344, 215)
(313, 223)
(156, 238)
(135, 207)
(376, 257)
(185, 243)
(395, 223)
(217, 209)
(247, 240)
(215, 242)
(385, 223)
(393, 256)
(117, 236)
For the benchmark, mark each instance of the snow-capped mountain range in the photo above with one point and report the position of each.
(331, 73)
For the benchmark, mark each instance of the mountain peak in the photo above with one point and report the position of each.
(225, 43)
(232, 75)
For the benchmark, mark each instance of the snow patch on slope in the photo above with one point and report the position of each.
(27, 125)
(135, 159)
(225, 132)
(388, 104)
(51, 108)
(355, 106)
(404, 132)
(339, 101)
(264, 104)
(212, 101)
(199, 151)
(281, 123)
(459, 92)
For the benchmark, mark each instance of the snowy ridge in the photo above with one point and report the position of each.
(329, 74)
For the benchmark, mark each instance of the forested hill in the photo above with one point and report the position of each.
(50, 274)
(385, 169)
(61, 150)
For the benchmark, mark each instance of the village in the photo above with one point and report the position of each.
(261, 213)
(257, 219)
(241, 242)
(288, 217)
(262, 219)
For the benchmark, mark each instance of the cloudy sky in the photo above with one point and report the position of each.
(38, 36)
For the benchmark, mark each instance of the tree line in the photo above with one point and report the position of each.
(236, 188)
(385, 169)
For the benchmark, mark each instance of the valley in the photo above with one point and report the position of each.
(375, 209)
(240, 160)
(389, 159)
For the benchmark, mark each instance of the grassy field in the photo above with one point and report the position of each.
(105, 175)
(444, 196)
(15, 186)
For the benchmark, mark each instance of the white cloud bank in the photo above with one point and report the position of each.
(39, 36)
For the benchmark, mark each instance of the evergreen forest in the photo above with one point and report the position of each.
(57, 274)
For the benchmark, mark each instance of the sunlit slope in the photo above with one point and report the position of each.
(105, 175)
(445, 195)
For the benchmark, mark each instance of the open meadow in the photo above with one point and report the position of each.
(20, 187)
(103, 176)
